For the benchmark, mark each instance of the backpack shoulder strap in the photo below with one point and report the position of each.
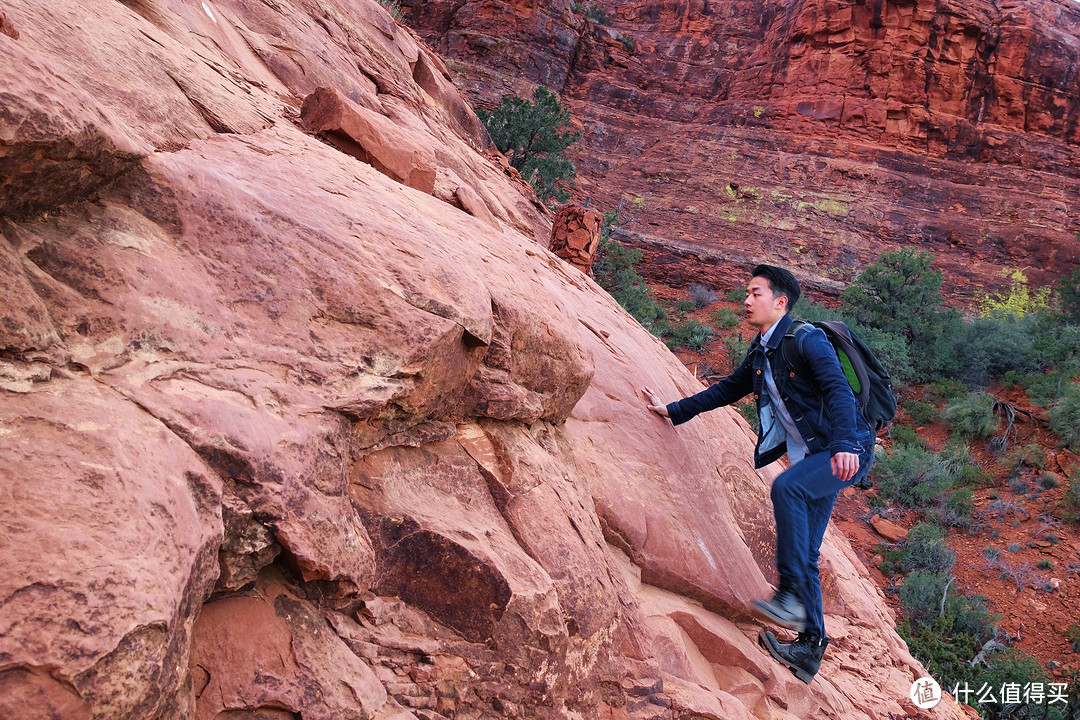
(789, 349)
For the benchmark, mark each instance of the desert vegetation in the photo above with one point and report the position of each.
(533, 136)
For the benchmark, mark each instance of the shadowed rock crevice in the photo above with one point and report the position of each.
(441, 578)
(55, 154)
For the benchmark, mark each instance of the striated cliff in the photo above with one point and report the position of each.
(299, 418)
(817, 133)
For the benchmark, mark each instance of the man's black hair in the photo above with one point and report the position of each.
(781, 282)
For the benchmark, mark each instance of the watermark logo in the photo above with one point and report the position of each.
(925, 693)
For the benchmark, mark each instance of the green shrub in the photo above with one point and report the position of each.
(1069, 294)
(1030, 455)
(958, 507)
(947, 389)
(944, 636)
(1070, 504)
(683, 307)
(990, 347)
(735, 348)
(892, 350)
(1065, 417)
(616, 271)
(905, 435)
(901, 294)
(974, 476)
(926, 551)
(748, 409)
(892, 559)
(1018, 302)
(1072, 634)
(807, 309)
(596, 14)
(627, 42)
(736, 295)
(689, 334)
(921, 413)
(1021, 670)
(911, 476)
(960, 465)
(1045, 388)
(943, 653)
(392, 6)
(921, 594)
(972, 415)
(533, 137)
(1045, 564)
(724, 318)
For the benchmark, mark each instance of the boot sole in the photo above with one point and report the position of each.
(766, 612)
(798, 672)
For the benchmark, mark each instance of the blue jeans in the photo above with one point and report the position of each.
(803, 497)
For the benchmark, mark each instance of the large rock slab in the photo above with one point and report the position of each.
(110, 530)
(284, 436)
(369, 137)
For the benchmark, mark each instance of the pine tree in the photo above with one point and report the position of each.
(532, 136)
(901, 294)
(1069, 294)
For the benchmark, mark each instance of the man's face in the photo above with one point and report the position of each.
(763, 308)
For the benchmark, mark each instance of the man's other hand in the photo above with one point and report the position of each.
(845, 465)
(655, 404)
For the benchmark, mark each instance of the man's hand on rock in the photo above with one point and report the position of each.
(655, 404)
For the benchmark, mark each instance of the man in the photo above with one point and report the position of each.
(814, 417)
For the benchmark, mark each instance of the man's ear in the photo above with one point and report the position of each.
(783, 300)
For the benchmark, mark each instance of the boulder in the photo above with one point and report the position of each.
(370, 138)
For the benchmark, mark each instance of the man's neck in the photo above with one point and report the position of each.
(766, 334)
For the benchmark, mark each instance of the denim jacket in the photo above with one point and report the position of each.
(823, 407)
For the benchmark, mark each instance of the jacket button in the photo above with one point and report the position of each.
(758, 372)
(792, 374)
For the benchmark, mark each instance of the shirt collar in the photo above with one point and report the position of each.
(777, 331)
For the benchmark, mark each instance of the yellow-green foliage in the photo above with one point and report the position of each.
(834, 208)
(1018, 301)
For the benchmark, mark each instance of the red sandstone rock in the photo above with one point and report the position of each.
(857, 127)
(888, 529)
(473, 204)
(282, 436)
(369, 137)
(7, 28)
(575, 236)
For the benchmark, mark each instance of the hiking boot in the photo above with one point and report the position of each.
(865, 484)
(802, 656)
(784, 609)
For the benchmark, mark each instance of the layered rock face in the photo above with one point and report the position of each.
(300, 419)
(816, 133)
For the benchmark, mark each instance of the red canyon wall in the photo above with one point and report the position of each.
(815, 133)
